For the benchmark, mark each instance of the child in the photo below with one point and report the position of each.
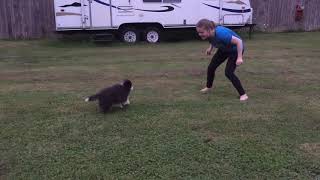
(230, 46)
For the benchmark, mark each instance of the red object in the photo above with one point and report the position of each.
(299, 13)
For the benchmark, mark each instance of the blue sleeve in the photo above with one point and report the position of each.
(224, 36)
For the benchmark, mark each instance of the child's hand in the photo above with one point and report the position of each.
(208, 51)
(239, 61)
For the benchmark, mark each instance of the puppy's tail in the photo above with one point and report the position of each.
(92, 98)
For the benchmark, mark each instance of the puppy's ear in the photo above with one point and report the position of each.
(126, 82)
(123, 82)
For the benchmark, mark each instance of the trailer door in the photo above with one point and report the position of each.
(101, 14)
(72, 14)
(234, 12)
(123, 11)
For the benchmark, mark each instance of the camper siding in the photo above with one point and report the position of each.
(25, 19)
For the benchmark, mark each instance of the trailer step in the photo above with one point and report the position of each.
(103, 37)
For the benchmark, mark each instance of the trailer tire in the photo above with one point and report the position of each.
(152, 35)
(129, 35)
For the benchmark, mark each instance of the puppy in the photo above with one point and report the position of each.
(116, 95)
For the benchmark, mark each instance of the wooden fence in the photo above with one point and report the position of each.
(25, 19)
(279, 15)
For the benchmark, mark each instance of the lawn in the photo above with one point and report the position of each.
(170, 131)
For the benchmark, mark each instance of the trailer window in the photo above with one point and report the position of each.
(164, 1)
(152, 0)
(172, 1)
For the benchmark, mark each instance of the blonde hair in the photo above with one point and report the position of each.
(206, 24)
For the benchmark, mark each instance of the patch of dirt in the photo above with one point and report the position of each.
(206, 135)
(209, 136)
(3, 170)
(65, 76)
(49, 76)
(12, 44)
(64, 80)
(173, 73)
(311, 148)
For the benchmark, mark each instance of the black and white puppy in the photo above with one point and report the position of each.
(116, 95)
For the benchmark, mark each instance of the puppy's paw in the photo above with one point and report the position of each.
(127, 102)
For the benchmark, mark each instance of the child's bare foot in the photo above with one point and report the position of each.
(244, 97)
(205, 90)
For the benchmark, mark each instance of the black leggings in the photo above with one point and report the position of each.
(216, 61)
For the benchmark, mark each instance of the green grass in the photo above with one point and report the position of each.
(170, 131)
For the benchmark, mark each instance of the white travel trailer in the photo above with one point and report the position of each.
(132, 18)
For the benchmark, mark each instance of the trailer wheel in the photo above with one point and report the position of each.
(129, 35)
(152, 35)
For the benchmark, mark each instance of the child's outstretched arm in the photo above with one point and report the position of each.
(238, 42)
